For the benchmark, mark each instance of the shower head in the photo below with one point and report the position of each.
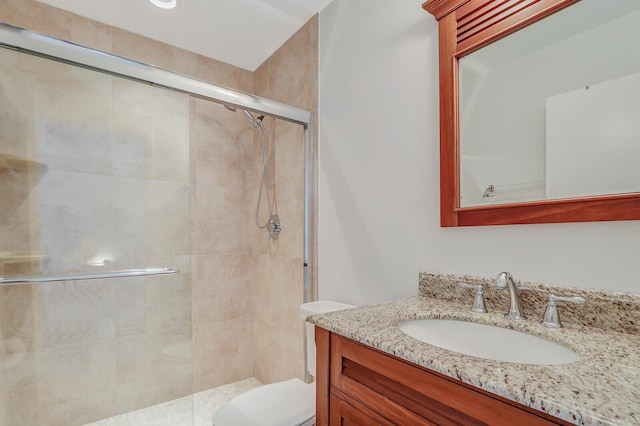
(249, 117)
(256, 122)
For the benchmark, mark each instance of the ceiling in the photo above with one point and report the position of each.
(243, 33)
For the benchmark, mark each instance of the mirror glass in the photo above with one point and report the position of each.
(553, 110)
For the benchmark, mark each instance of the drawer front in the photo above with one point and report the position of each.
(347, 412)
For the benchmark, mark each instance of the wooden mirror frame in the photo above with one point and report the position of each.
(463, 27)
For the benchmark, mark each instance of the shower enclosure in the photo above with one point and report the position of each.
(132, 272)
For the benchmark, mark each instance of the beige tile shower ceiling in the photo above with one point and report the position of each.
(243, 33)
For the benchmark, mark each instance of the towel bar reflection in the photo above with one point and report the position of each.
(82, 277)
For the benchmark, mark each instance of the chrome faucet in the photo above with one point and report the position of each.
(505, 279)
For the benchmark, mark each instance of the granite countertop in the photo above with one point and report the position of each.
(603, 388)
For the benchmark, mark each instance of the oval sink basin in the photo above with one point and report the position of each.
(489, 342)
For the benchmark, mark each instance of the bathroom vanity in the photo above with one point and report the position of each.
(371, 373)
(369, 387)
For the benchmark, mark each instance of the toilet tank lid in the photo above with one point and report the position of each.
(322, 307)
(279, 404)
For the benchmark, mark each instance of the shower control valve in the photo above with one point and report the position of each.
(274, 227)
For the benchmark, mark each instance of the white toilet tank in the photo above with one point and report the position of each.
(313, 308)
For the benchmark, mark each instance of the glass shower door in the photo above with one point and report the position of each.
(94, 179)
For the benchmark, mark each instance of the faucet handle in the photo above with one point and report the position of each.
(551, 317)
(478, 302)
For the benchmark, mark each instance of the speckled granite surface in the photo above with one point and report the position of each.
(603, 388)
(613, 311)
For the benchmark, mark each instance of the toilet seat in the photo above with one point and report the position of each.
(289, 403)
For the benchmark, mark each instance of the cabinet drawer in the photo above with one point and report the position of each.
(347, 412)
(404, 393)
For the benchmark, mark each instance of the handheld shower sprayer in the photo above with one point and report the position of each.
(255, 122)
(273, 225)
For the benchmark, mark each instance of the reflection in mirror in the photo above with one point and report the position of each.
(551, 112)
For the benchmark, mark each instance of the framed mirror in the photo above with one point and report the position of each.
(538, 110)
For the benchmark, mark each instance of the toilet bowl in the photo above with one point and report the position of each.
(288, 403)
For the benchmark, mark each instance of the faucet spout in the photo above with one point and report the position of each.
(505, 279)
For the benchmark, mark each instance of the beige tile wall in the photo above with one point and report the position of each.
(289, 76)
(232, 313)
(222, 144)
(67, 26)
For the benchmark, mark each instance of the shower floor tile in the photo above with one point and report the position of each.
(193, 410)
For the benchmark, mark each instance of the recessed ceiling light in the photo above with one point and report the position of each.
(165, 4)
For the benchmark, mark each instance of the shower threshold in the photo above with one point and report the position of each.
(192, 410)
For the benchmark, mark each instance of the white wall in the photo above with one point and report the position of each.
(582, 127)
(379, 176)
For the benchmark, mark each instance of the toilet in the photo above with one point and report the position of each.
(288, 403)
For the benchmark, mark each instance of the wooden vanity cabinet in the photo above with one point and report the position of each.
(359, 385)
